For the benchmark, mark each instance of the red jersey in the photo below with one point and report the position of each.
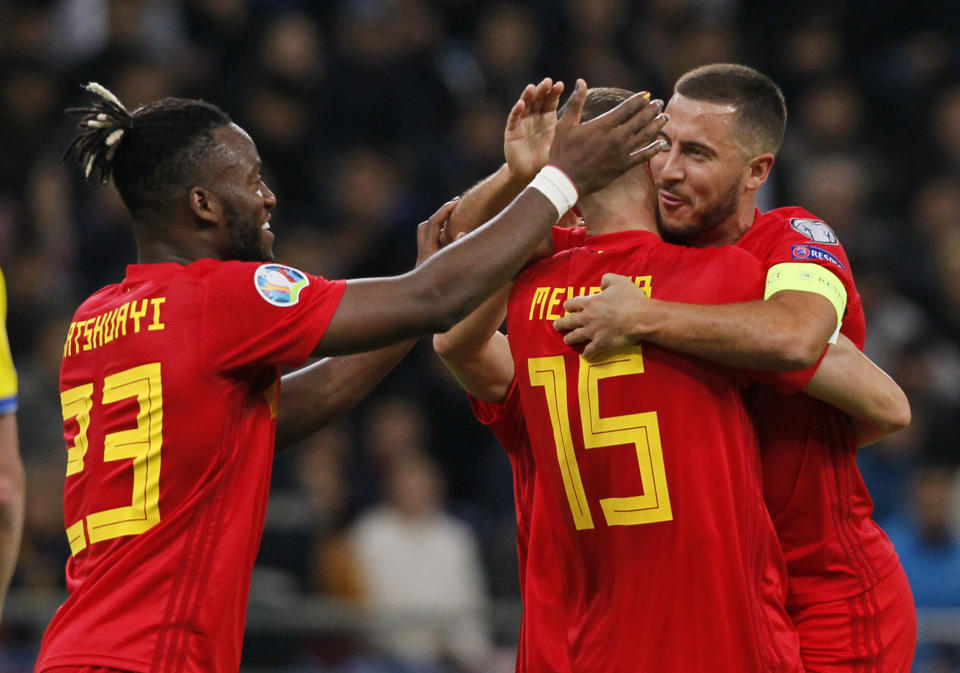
(542, 644)
(648, 474)
(816, 496)
(169, 387)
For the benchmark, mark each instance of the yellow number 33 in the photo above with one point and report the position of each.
(142, 444)
(642, 430)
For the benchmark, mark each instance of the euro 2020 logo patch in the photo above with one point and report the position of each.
(280, 285)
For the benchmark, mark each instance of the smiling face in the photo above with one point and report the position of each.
(245, 198)
(705, 180)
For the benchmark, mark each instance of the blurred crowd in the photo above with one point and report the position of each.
(369, 114)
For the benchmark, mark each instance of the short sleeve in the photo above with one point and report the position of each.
(8, 375)
(792, 238)
(505, 418)
(256, 315)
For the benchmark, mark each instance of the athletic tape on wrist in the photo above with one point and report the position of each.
(556, 186)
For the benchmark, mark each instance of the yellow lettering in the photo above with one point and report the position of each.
(643, 282)
(539, 299)
(86, 334)
(594, 289)
(156, 324)
(137, 314)
(67, 350)
(110, 326)
(98, 331)
(122, 319)
(555, 299)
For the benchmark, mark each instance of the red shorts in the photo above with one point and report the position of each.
(873, 632)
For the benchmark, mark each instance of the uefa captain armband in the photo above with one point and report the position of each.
(807, 277)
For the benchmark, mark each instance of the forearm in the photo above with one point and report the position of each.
(484, 200)
(848, 380)
(12, 490)
(315, 395)
(472, 333)
(445, 288)
(774, 335)
(476, 353)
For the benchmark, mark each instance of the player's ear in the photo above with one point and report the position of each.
(205, 206)
(758, 170)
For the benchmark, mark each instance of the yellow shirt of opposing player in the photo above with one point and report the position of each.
(8, 375)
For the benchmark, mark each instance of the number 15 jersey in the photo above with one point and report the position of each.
(648, 474)
(169, 388)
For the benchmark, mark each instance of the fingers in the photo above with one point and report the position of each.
(516, 112)
(647, 152)
(571, 116)
(553, 98)
(443, 212)
(628, 109)
(577, 336)
(575, 304)
(540, 94)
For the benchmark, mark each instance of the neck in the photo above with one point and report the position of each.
(175, 248)
(611, 215)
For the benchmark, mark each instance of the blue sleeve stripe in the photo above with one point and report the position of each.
(8, 404)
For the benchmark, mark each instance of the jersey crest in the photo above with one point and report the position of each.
(815, 230)
(279, 284)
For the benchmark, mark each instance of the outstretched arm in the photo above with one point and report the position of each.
(313, 396)
(11, 501)
(432, 298)
(785, 332)
(850, 381)
(846, 378)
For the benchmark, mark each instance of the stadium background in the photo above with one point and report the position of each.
(369, 114)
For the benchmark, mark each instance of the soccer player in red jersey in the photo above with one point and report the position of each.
(170, 380)
(11, 466)
(848, 594)
(480, 359)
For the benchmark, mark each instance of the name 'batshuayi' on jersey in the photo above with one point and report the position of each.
(648, 474)
(820, 505)
(169, 388)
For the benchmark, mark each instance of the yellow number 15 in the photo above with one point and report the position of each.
(642, 430)
(141, 444)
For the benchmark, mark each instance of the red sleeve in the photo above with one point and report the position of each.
(505, 418)
(745, 284)
(264, 314)
(796, 235)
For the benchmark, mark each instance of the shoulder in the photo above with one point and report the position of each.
(797, 223)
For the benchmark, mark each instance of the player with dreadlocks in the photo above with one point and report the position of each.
(170, 379)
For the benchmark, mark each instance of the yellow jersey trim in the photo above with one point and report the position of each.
(8, 375)
(807, 277)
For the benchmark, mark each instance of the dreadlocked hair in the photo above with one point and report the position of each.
(149, 153)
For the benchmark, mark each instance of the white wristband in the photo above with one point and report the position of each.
(556, 186)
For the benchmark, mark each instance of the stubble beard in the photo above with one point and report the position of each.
(724, 208)
(245, 237)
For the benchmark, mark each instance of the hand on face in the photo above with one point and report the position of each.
(594, 153)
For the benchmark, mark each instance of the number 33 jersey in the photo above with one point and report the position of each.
(648, 474)
(169, 388)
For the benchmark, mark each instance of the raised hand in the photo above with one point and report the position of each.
(430, 232)
(530, 129)
(605, 321)
(596, 152)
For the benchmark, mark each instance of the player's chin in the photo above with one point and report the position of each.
(266, 245)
